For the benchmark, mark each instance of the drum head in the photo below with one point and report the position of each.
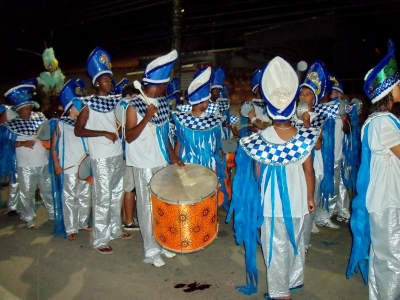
(189, 184)
(120, 110)
(229, 146)
(44, 131)
(84, 168)
(246, 108)
(302, 107)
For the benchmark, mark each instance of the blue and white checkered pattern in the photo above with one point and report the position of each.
(330, 111)
(102, 104)
(259, 103)
(68, 121)
(163, 109)
(281, 154)
(25, 127)
(197, 123)
(212, 108)
(223, 105)
(233, 119)
(319, 121)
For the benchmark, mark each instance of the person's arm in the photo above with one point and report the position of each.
(256, 122)
(81, 131)
(396, 150)
(173, 157)
(346, 123)
(133, 129)
(28, 144)
(310, 182)
(57, 167)
(234, 130)
(318, 144)
(177, 147)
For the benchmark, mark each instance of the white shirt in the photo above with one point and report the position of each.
(74, 149)
(296, 183)
(101, 147)
(145, 152)
(384, 188)
(30, 158)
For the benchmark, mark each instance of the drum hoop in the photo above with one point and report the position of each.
(193, 201)
(79, 166)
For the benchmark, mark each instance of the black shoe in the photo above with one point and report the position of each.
(13, 213)
(132, 226)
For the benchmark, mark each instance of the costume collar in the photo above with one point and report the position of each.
(26, 127)
(163, 109)
(102, 104)
(189, 121)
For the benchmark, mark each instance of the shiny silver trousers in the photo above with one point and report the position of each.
(286, 270)
(144, 212)
(13, 195)
(28, 180)
(76, 202)
(340, 203)
(107, 192)
(309, 219)
(384, 261)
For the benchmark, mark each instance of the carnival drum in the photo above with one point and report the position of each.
(229, 148)
(184, 199)
(85, 169)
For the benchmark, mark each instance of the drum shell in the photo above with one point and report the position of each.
(185, 225)
(302, 107)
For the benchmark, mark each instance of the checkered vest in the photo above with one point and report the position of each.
(272, 154)
(68, 121)
(329, 111)
(197, 123)
(163, 109)
(102, 104)
(211, 109)
(26, 127)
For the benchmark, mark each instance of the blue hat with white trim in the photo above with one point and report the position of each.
(224, 92)
(317, 79)
(120, 85)
(159, 70)
(199, 88)
(255, 78)
(337, 83)
(279, 85)
(98, 63)
(32, 81)
(217, 78)
(198, 72)
(383, 78)
(173, 86)
(82, 85)
(69, 91)
(21, 95)
(3, 108)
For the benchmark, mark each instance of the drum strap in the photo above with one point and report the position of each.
(102, 104)
(293, 150)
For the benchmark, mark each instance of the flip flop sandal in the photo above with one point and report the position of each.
(105, 250)
(125, 236)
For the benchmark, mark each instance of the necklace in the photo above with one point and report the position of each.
(282, 128)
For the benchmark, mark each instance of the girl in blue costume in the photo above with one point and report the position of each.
(282, 171)
(375, 219)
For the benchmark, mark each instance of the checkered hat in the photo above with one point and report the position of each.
(199, 88)
(159, 70)
(383, 78)
(279, 85)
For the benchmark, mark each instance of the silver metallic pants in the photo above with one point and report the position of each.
(107, 192)
(309, 219)
(340, 203)
(144, 211)
(29, 179)
(13, 195)
(384, 261)
(76, 201)
(287, 269)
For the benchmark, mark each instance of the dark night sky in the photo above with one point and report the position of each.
(350, 36)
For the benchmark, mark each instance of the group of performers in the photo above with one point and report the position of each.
(298, 155)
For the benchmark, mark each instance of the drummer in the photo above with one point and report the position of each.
(195, 127)
(148, 148)
(97, 122)
(258, 117)
(67, 150)
(31, 156)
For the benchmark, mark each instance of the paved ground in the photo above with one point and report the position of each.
(36, 265)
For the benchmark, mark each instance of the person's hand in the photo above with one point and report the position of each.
(28, 144)
(311, 205)
(306, 119)
(150, 112)
(251, 114)
(112, 136)
(175, 160)
(57, 169)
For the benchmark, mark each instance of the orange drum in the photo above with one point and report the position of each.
(184, 199)
(229, 148)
